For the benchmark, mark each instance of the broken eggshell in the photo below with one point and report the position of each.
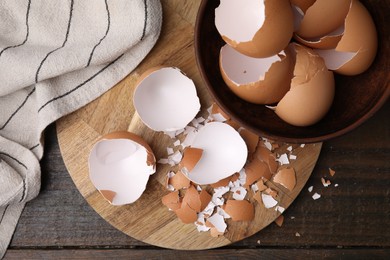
(245, 24)
(166, 99)
(256, 80)
(120, 164)
(312, 90)
(224, 153)
(357, 48)
(322, 18)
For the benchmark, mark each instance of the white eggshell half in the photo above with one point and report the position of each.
(120, 166)
(166, 100)
(224, 153)
(239, 20)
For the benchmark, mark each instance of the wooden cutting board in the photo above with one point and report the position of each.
(147, 219)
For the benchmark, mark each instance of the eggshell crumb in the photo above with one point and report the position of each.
(279, 220)
(316, 196)
(332, 172)
(268, 200)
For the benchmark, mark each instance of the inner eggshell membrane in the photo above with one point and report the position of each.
(256, 80)
(243, 25)
(166, 99)
(224, 153)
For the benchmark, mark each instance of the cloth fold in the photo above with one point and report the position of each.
(55, 57)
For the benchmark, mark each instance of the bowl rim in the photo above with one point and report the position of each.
(381, 101)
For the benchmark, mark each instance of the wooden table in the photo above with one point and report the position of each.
(351, 220)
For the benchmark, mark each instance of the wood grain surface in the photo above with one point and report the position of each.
(147, 219)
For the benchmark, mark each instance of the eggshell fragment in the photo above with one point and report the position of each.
(245, 24)
(323, 17)
(186, 214)
(279, 220)
(268, 200)
(356, 50)
(179, 181)
(286, 177)
(191, 157)
(120, 165)
(256, 80)
(224, 153)
(312, 90)
(166, 99)
(192, 199)
(239, 210)
(205, 199)
(256, 170)
(172, 200)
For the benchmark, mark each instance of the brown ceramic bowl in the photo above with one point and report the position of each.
(357, 98)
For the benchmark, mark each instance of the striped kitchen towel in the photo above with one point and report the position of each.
(55, 57)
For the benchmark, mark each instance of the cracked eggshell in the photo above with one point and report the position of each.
(312, 90)
(256, 80)
(166, 99)
(120, 164)
(322, 18)
(302, 4)
(246, 24)
(329, 41)
(357, 48)
(224, 153)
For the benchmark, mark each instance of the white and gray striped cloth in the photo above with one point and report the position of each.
(55, 57)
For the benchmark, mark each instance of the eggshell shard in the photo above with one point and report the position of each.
(120, 165)
(239, 210)
(329, 41)
(245, 24)
(286, 177)
(357, 49)
(312, 90)
(256, 80)
(323, 17)
(172, 200)
(154, 95)
(191, 157)
(224, 153)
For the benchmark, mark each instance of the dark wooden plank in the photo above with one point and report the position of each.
(354, 214)
(211, 254)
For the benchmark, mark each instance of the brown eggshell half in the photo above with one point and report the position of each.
(323, 17)
(311, 93)
(239, 210)
(270, 89)
(277, 28)
(360, 36)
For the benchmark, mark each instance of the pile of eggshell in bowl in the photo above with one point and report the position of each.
(262, 65)
(218, 155)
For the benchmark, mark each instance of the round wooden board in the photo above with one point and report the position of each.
(148, 219)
